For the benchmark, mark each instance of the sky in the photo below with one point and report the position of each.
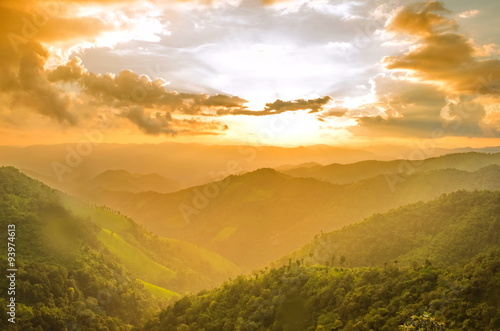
(287, 73)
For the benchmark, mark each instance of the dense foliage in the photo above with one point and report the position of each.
(434, 265)
(177, 265)
(66, 278)
(453, 228)
(298, 297)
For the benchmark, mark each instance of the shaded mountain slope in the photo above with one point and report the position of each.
(255, 218)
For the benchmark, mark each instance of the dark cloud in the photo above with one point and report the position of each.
(314, 105)
(127, 89)
(280, 106)
(24, 25)
(197, 126)
(333, 112)
(159, 124)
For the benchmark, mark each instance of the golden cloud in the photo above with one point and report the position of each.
(441, 55)
(445, 84)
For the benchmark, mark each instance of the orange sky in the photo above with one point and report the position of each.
(233, 72)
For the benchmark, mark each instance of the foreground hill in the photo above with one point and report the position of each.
(448, 230)
(456, 288)
(256, 218)
(86, 266)
(348, 173)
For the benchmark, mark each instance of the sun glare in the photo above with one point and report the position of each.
(286, 129)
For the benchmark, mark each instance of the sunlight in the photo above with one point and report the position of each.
(286, 129)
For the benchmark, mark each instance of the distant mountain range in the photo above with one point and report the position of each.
(348, 173)
(66, 166)
(122, 180)
(255, 218)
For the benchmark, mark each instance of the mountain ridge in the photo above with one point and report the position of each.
(272, 208)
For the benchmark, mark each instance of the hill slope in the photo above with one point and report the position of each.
(174, 264)
(65, 277)
(448, 230)
(86, 266)
(256, 218)
(453, 290)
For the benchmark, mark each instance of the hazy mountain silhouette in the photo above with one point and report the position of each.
(348, 173)
(122, 180)
(255, 218)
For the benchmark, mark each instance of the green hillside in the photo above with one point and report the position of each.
(455, 287)
(172, 264)
(87, 266)
(449, 230)
(348, 173)
(256, 218)
(65, 277)
(135, 260)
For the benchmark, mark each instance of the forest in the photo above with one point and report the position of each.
(438, 260)
(432, 264)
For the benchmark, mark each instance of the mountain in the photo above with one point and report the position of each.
(68, 165)
(169, 263)
(348, 173)
(288, 167)
(255, 218)
(449, 230)
(455, 287)
(122, 180)
(87, 266)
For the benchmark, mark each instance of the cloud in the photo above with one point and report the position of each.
(159, 124)
(128, 88)
(441, 55)
(198, 126)
(403, 108)
(469, 13)
(314, 105)
(280, 106)
(24, 25)
(23, 83)
(333, 112)
(440, 82)
(421, 19)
